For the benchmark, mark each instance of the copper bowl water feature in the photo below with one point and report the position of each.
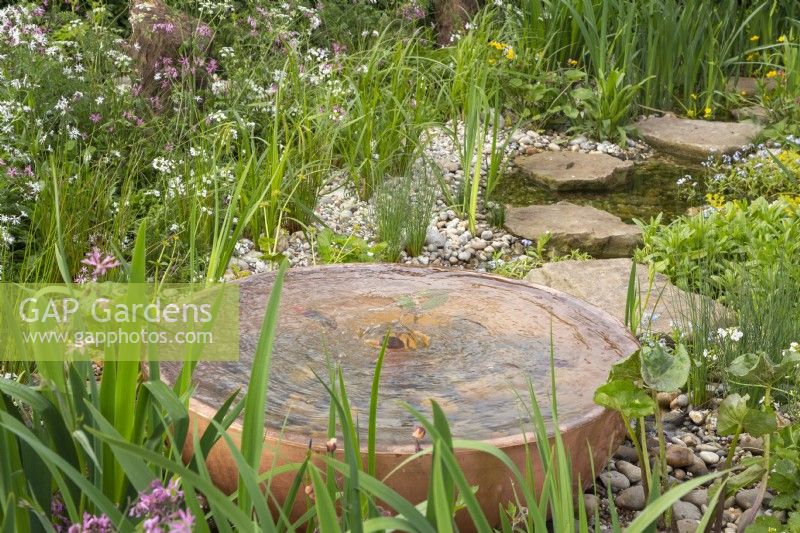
(470, 341)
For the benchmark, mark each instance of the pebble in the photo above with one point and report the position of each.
(465, 256)
(699, 497)
(698, 417)
(591, 503)
(627, 453)
(665, 398)
(681, 401)
(698, 467)
(687, 525)
(487, 235)
(710, 458)
(553, 147)
(631, 498)
(754, 445)
(615, 480)
(747, 497)
(679, 457)
(683, 510)
(631, 471)
(674, 418)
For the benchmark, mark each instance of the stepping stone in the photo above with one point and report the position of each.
(696, 139)
(572, 227)
(756, 113)
(604, 284)
(746, 86)
(575, 171)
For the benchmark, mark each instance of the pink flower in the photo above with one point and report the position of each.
(95, 117)
(100, 264)
(211, 66)
(203, 30)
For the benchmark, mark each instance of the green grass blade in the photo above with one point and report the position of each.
(253, 424)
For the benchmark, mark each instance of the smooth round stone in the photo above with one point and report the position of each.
(709, 458)
(615, 480)
(632, 498)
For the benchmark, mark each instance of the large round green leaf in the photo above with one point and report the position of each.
(664, 371)
(623, 396)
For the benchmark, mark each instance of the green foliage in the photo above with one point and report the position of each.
(607, 107)
(334, 248)
(785, 477)
(664, 371)
(708, 246)
(535, 257)
(403, 209)
(624, 396)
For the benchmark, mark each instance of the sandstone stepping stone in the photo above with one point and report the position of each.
(696, 139)
(747, 86)
(604, 284)
(571, 226)
(575, 171)
(756, 113)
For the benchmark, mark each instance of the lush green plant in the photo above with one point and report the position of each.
(403, 208)
(707, 246)
(631, 390)
(335, 248)
(784, 479)
(534, 257)
(608, 107)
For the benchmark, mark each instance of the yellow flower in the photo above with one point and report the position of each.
(492, 61)
(693, 96)
(751, 57)
(497, 45)
(572, 62)
(754, 38)
(510, 54)
(782, 39)
(691, 113)
(717, 201)
(707, 112)
(772, 73)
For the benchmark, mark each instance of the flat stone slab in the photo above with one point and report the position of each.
(696, 139)
(571, 226)
(604, 284)
(756, 113)
(746, 86)
(575, 171)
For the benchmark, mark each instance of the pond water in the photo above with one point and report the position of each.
(652, 190)
(469, 341)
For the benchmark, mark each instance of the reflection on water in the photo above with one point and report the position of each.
(652, 190)
(469, 342)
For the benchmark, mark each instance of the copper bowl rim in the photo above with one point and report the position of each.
(287, 438)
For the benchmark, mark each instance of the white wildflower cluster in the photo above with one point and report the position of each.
(215, 7)
(120, 60)
(733, 334)
(164, 165)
